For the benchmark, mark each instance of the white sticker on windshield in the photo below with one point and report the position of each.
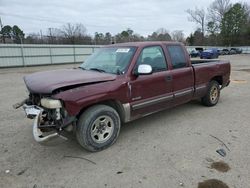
(122, 50)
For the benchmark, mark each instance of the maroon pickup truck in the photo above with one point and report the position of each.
(117, 84)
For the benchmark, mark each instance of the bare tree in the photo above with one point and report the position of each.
(178, 35)
(160, 34)
(54, 35)
(247, 9)
(162, 31)
(197, 16)
(34, 38)
(217, 9)
(74, 32)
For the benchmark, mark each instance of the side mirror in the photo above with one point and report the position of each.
(144, 69)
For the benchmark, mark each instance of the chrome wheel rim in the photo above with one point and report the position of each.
(214, 94)
(102, 129)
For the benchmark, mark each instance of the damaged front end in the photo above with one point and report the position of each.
(50, 117)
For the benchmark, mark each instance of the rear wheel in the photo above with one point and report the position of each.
(213, 94)
(98, 127)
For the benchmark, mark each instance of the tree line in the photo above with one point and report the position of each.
(222, 23)
(77, 34)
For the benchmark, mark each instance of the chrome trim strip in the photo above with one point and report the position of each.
(201, 87)
(127, 112)
(182, 93)
(136, 98)
(151, 102)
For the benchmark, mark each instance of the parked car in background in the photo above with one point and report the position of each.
(194, 53)
(225, 52)
(199, 49)
(235, 51)
(210, 54)
(220, 52)
(232, 51)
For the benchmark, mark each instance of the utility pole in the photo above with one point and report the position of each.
(41, 35)
(50, 36)
(1, 34)
(1, 24)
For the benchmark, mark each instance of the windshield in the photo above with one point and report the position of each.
(114, 60)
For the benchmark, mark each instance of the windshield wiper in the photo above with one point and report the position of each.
(96, 69)
(119, 72)
(81, 68)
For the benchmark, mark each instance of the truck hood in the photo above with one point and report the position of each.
(48, 81)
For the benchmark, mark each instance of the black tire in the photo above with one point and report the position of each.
(94, 124)
(213, 94)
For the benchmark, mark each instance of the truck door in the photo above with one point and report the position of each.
(150, 93)
(183, 75)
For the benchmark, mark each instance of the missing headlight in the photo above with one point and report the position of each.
(51, 103)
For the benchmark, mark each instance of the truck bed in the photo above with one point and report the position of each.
(206, 70)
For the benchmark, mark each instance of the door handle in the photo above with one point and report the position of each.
(169, 78)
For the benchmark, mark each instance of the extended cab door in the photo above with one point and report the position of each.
(150, 93)
(182, 72)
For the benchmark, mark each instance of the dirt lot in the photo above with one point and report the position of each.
(174, 148)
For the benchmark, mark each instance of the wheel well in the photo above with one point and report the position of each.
(117, 105)
(219, 79)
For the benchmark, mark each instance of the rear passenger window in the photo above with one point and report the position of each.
(177, 56)
(153, 56)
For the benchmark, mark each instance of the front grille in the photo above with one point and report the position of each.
(35, 99)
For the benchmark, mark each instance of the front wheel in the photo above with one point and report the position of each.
(213, 94)
(98, 127)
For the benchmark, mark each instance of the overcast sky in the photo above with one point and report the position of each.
(142, 16)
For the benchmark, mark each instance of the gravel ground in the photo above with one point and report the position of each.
(173, 148)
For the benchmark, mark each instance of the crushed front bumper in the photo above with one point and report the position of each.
(37, 133)
(32, 111)
(35, 112)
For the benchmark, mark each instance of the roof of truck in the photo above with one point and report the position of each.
(142, 44)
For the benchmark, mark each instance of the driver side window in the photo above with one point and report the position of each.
(154, 57)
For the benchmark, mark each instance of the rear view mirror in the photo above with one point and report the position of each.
(144, 69)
